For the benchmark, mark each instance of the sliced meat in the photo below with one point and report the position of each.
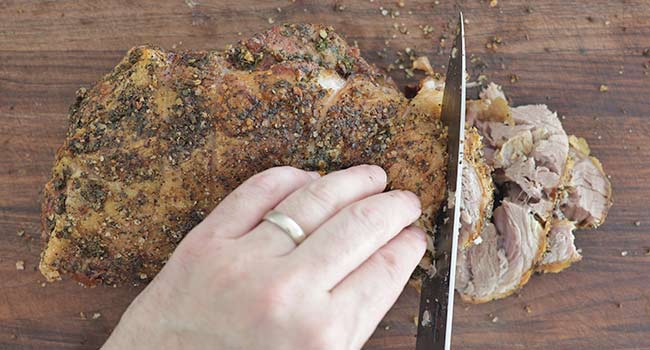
(588, 194)
(503, 260)
(477, 192)
(528, 150)
(561, 250)
(584, 200)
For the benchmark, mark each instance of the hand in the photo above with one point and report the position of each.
(237, 282)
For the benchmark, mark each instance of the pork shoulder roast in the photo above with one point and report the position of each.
(163, 138)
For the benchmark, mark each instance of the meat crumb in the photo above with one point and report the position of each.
(20, 265)
(624, 253)
(603, 88)
(422, 63)
(426, 318)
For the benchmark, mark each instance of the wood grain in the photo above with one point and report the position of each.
(561, 52)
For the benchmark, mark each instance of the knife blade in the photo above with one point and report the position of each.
(437, 295)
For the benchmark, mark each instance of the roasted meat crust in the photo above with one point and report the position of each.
(158, 142)
(475, 212)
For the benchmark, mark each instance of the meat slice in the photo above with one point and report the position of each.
(503, 260)
(588, 194)
(561, 250)
(477, 191)
(528, 149)
(163, 138)
(584, 200)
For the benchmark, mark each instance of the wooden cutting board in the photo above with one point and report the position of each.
(555, 52)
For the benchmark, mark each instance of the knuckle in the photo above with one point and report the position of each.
(322, 193)
(368, 217)
(390, 263)
(269, 180)
(277, 296)
(273, 305)
(264, 182)
(322, 336)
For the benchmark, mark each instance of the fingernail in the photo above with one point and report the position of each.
(314, 174)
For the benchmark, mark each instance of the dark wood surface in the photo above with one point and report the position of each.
(561, 51)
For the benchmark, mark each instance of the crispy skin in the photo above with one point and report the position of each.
(156, 144)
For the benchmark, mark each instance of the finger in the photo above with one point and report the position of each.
(375, 286)
(244, 207)
(317, 201)
(345, 241)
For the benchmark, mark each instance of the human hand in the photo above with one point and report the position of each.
(237, 282)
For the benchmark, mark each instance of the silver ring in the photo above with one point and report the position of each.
(286, 224)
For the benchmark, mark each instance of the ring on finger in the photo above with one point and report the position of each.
(286, 224)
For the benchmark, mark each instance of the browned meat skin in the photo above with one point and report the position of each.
(159, 141)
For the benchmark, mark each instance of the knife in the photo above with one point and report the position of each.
(437, 297)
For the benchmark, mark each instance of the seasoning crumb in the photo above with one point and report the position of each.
(415, 320)
(619, 305)
(387, 327)
(96, 315)
(624, 253)
(271, 20)
(528, 309)
(20, 265)
(603, 88)
(82, 315)
(14, 336)
(495, 319)
(637, 223)
(21, 233)
(494, 3)
(646, 52)
(514, 78)
(43, 284)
